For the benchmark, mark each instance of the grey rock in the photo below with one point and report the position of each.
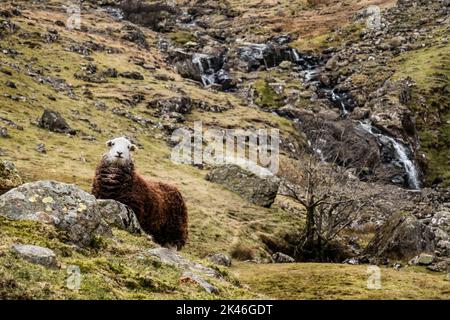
(132, 75)
(255, 189)
(68, 208)
(41, 148)
(171, 257)
(36, 254)
(4, 132)
(189, 276)
(64, 205)
(53, 121)
(441, 219)
(402, 237)
(119, 215)
(280, 257)
(220, 259)
(9, 176)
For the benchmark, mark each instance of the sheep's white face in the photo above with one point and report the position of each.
(120, 150)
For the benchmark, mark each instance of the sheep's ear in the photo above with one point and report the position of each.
(109, 143)
(133, 147)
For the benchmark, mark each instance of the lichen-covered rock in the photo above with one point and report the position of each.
(119, 215)
(9, 176)
(36, 254)
(64, 205)
(258, 190)
(401, 238)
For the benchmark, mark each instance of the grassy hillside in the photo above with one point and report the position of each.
(44, 76)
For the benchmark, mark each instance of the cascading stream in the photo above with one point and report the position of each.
(401, 153)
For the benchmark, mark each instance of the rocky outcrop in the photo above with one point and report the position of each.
(9, 176)
(77, 213)
(258, 190)
(401, 238)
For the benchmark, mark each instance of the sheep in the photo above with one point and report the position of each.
(159, 207)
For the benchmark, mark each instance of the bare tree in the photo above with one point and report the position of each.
(325, 192)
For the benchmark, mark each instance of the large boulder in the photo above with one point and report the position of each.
(401, 238)
(53, 121)
(260, 190)
(9, 176)
(69, 208)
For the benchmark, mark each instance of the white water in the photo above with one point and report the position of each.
(296, 55)
(401, 153)
(197, 59)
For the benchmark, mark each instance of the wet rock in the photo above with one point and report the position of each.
(209, 69)
(255, 189)
(53, 121)
(9, 176)
(401, 238)
(36, 255)
(220, 259)
(256, 56)
(132, 75)
(280, 257)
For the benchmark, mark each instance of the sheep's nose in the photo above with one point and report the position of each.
(119, 153)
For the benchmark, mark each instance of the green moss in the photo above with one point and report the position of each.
(181, 37)
(266, 97)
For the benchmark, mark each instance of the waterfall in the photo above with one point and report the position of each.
(296, 55)
(336, 98)
(401, 152)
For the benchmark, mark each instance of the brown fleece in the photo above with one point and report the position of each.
(159, 207)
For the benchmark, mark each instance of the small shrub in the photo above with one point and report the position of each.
(241, 252)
